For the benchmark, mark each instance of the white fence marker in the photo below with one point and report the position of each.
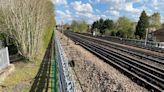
(4, 58)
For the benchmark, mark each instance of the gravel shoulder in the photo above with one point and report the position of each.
(94, 75)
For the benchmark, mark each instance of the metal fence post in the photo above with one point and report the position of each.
(7, 55)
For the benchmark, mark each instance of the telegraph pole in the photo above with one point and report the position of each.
(62, 23)
(147, 29)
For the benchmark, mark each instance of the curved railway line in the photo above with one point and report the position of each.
(148, 75)
(131, 51)
(119, 40)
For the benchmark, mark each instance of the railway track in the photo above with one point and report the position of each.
(151, 76)
(141, 54)
(156, 49)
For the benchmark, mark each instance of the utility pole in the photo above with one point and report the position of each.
(62, 23)
(147, 29)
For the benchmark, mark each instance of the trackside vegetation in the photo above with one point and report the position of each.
(29, 23)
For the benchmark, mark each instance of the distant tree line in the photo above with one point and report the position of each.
(122, 28)
(29, 23)
(103, 25)
(126, 28)
(79, 26)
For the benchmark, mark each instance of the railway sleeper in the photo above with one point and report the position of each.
(149, 86)
(115, 58)
(155, 87)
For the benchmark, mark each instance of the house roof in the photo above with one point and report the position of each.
(159, 32)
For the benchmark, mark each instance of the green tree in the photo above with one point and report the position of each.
(113, 33)
(103, 25)
(74, 26)
(124, 27)
(142, 25)
(155, 20)
(94, 25)
(79, 26)
(83, 26)
(108, 24)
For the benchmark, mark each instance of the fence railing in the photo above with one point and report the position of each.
(66, 81)
(4, 58)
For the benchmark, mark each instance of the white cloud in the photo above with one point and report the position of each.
(59, 2)
(79, 7)
(82, 15)
(110, 1)
(63, 15)
(98, 11)
(116, 8)
(129, 8)
(113, 12)
(155, 2)
(162, 19)
(121, 5)
(91, 1)
(103, 16)
(68, 12)
(132, 0)
(89, 17)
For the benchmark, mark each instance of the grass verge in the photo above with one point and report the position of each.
(21, 78)
(25, 73)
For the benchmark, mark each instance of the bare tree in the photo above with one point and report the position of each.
(26, 21)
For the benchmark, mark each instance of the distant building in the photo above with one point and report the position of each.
(151, 36)
(159, 35)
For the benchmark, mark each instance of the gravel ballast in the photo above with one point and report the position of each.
(94, 75)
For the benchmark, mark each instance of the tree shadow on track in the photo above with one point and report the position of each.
(42, 79)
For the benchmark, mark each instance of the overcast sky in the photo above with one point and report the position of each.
(90, 10)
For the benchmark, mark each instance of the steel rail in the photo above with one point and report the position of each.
(133, 68)
(157, 59)
(118, 40)
(160, 70)
(122, 56)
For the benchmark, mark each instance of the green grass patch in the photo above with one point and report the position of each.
(47, 36)
(21, 78)
(54, 81)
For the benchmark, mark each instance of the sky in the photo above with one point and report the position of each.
(91, 10)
